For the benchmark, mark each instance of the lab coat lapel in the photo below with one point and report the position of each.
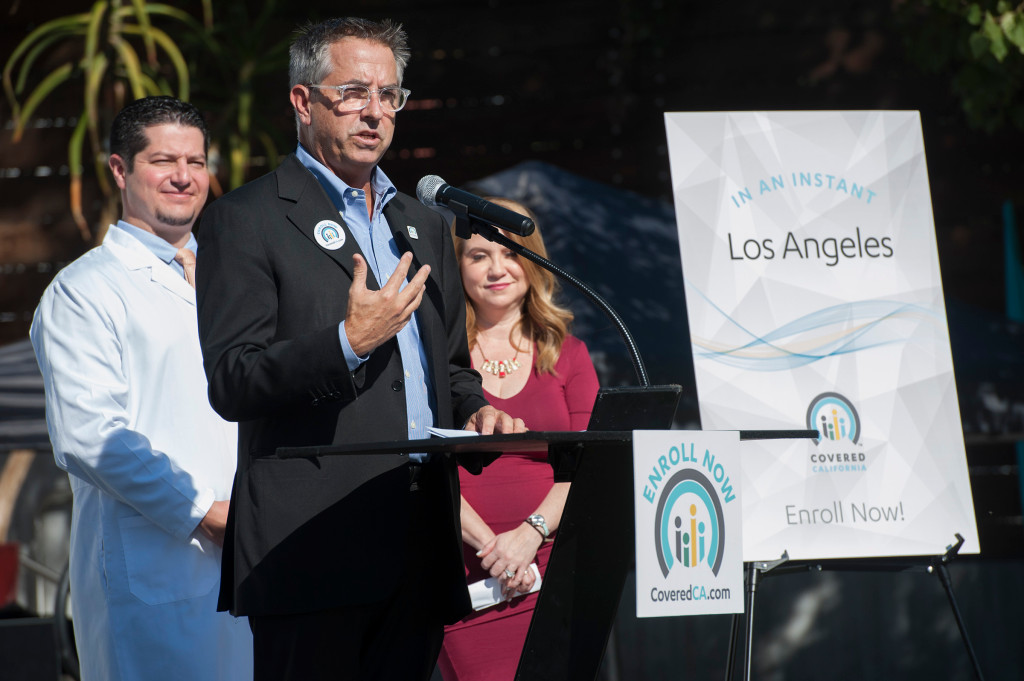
(135, 256)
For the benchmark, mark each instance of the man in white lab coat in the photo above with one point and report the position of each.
(150, 463)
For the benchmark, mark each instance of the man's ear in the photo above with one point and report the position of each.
(119, 170)
(299, 97)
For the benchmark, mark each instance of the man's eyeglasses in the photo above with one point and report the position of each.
(357, 97)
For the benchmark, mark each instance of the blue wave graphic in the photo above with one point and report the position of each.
(837, 330)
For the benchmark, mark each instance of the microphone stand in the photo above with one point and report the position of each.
(467, 225)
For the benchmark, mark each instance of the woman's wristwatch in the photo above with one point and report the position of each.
(538, 523)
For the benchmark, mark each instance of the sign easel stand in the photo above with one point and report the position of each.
(756, 571)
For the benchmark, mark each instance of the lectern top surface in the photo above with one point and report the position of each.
(517, 442)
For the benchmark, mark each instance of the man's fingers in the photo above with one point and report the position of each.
(411, 296)
(358, 271)
(506, 424)
(414, 303)
(485, 424)
(397, 277)
(416, 284)
(488, 420)
(421, 277)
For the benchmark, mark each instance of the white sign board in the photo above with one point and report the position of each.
(814, 301)
(686, 492)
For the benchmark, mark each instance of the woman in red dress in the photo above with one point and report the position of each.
(532, 369)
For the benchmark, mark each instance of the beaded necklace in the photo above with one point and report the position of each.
(499, 367)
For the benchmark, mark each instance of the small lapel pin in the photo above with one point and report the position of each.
(413, 234)
(329, 234)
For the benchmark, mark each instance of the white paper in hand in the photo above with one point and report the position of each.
(488, 592)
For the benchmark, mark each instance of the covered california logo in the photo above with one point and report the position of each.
(689, 524)
(329, 234)
(834, 417)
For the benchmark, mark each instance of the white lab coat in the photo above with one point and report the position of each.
(129, 418)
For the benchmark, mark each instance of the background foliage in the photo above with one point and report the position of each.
(127, 49)
(980, 45)
(110, 51)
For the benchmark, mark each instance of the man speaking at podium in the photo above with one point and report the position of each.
(331, 311)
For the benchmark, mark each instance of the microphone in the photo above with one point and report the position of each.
(431, 190)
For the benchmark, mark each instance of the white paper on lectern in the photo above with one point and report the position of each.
(814, 300)
(450, 432)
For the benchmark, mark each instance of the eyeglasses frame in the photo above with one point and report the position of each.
(341, 90)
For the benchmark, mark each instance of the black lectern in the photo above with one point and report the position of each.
(593, 550)
(591, 559)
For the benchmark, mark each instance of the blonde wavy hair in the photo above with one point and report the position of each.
(543, 321)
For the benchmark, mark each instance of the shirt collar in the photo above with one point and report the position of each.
(157, 246)
(341, 194)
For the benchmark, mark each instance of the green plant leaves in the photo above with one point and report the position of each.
(118, 50)
(50, 83)
(109, 39)
(981, 44)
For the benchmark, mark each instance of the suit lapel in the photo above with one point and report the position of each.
(312, 206)
(430, 315)
(401, 229)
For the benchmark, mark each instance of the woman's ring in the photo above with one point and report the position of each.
(510, 573)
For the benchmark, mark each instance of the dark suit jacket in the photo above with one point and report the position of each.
(311, 534)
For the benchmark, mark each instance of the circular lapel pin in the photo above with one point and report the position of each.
(329, 234)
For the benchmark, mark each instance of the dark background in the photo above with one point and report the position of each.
(581, 87)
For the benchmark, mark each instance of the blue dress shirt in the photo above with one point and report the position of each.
(382, 256)
(160, 248)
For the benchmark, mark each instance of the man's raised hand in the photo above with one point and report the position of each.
(374, 317)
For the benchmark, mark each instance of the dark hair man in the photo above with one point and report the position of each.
(331, 311)
(149, 461)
